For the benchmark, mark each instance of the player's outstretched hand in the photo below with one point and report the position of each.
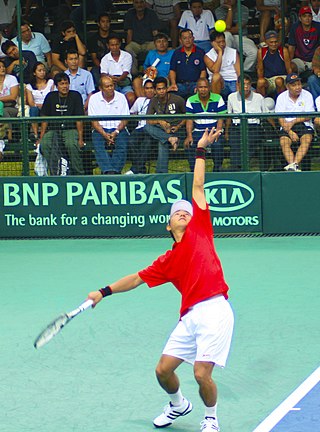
(207, 138)
(96, 296)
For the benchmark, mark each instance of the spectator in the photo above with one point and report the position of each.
(67, 41)
(56, 11)
(9, 91)
(254, 103)
(166, 132)
(112, 133)
(314, 79)
(303, 41)
(295, 132)
(117, 64)
(200, 22)
(8, 18)
(140, 141)
(186, 66)
(80, 79)
(223, 65)
(315, 8)
(93, 9)
(141, 24)
(60, 142)
(267, 9)
(163, 54)
(168, 12)
(36, 91)
(204, 102)
(97, 44)
(273, 66)
(12, 61)
(229, 13)
(35, 42)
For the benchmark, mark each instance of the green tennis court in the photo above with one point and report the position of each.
(97, 375)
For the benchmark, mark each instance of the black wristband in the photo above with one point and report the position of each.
(200, 153)
(106, 291)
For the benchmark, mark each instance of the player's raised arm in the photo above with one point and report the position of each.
(200, 167)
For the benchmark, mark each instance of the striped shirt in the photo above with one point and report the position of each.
(215, 104)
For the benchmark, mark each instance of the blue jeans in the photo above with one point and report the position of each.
(314, 86)
(115, 160)
(163, 147)
(34, 111)
(186, 89)
(216, 151)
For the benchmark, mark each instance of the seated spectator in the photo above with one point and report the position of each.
(229, 13)
(109, 137)
(315, 8)
(314, 79)
(254, 103)
(141, 24)
(169, 13)
(117, 64)
(200, 22)
(58, 11)
(60, 142)
(36, 91)
(267, 9)
(81, 80)
(273, 66)
(97, 44)
(186, 66)
(35, 42)
(67, 41)
(295, 131)
(303, 41)
(223, 65)
(12, 61)
(140, 141)
(204, 102)
(9, 91)
(166, 132)
(162, 54)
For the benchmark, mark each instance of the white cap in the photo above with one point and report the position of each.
(181, 205)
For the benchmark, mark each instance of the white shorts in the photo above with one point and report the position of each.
(204, 333)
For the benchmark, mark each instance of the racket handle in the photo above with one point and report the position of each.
(85, 305)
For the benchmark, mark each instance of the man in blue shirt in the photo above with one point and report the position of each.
(204, 102)
(12, 61)
(186, 66)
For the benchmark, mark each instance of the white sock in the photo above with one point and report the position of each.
(177, 398)
(211, 411)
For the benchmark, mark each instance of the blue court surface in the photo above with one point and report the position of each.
(300, 412)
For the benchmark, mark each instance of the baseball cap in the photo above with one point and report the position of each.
(181, 205)
(291, 78)
(270, 34)
(305, 10)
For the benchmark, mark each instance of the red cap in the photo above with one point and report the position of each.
(305, 10)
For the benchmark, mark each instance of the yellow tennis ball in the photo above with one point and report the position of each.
(220, 26)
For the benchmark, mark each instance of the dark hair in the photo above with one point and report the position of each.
(196, 1)
(114, 36)
(60, 76)
(65, 25)
(185, 30)
(160, 80)
(148, 80)
(33, 79)
(214, 35)
(71, 51)
(103, 14)
(246, 77)
(3, 62)
(6, 45)
(160, 36)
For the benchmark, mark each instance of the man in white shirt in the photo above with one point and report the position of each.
(109, 133)
(200, 21)
(118, 64)
(254, 103)
(296, 133)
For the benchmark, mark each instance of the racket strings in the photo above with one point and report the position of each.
(51, 330)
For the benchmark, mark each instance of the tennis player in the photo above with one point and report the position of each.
(203, 334)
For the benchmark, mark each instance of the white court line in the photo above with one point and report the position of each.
(287, 405)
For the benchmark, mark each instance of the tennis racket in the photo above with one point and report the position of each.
(57, 325)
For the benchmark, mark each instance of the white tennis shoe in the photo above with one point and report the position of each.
(171, 413)
(209, 424)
